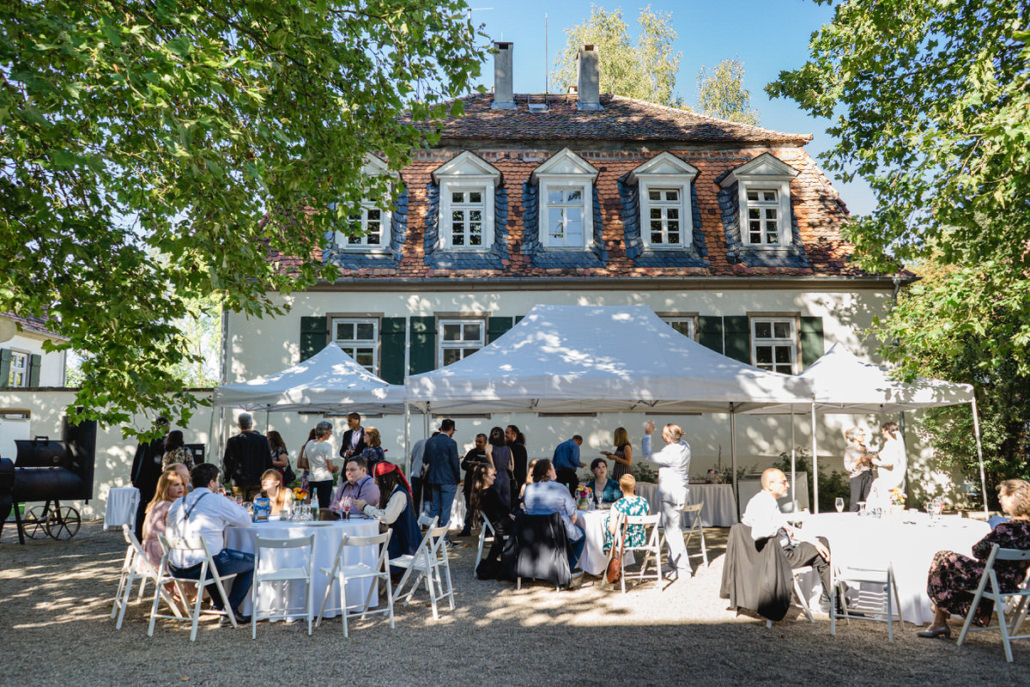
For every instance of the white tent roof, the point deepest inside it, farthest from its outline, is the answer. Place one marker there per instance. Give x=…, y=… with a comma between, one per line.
x=844, y=384
x=329, y=381
x=597, y=359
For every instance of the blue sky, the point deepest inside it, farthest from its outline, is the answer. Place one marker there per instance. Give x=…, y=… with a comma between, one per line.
x=766, y=35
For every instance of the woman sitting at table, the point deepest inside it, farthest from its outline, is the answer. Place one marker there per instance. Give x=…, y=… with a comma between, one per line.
x=486, y=502
x=272, y=487
x=602, y=488
x=170, y=486
x=373, y=452
x=529, y=480
x=953, y=577
x=629, y=504
x=891, y=465
x=623, y=456
x=394, y=510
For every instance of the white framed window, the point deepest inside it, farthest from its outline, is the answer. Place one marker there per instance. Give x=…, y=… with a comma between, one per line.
x=665, y=210
x=359, y=338
x=371, y=230
x=763, y=219
x=687, y=326
x=763, y=195
x=19, y=375
x=774, y=344
x=457, y=339
x=566, y=190
x=467, y=185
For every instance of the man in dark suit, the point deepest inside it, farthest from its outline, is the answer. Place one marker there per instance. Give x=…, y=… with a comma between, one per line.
x=247, y=456
x=353, y=439
x=146, y=470
x=441, y=455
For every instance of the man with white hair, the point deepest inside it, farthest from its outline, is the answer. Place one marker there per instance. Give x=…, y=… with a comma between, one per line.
x=673, y=477
x=247, y=456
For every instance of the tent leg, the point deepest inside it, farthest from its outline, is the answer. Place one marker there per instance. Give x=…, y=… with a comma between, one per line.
x=407, y=440
x=793, y=465
x=979, y=453
x=733, y=455
x=815, y=465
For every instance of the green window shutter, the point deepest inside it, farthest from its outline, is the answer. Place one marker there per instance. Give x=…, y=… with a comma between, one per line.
x=5, y=366
x=314, y=335
x=709, y=330
x=391, y=349
x=496, y=326
x=811, y=340
x=34, y=361
x=423, y=345
x=738, y=337
x=518, y=318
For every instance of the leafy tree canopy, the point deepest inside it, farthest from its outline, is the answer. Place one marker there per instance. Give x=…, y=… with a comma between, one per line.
x=142, y=141
x=721, y=93
x=646, y=71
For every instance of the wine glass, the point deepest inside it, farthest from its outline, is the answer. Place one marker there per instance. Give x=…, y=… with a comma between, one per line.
x=839, y=504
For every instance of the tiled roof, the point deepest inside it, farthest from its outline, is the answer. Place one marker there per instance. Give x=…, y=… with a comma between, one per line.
x=31, y=324
x=622, y=119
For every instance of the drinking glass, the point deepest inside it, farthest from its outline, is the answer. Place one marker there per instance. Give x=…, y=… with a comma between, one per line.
x=839, y=504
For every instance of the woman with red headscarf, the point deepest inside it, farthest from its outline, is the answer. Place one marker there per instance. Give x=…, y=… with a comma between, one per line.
x=394, y=510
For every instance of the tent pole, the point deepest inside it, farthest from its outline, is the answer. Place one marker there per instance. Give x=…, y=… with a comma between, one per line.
x=815, y=465
x=407, y=440
x=733, y=455
x=979, y=453
x=793, y=465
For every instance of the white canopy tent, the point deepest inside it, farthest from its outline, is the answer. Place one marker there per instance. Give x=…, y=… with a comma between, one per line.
x=599, y=359
x=841, y=383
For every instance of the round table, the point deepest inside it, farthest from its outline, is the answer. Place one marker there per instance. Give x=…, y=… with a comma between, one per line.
x=328, y=535
x=719, y=509
x=908, y=542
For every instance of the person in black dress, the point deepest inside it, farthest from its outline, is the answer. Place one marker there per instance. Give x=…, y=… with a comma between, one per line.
x=475, y=456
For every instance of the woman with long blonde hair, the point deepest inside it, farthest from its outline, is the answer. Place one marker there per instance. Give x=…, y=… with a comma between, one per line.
x=170, y=487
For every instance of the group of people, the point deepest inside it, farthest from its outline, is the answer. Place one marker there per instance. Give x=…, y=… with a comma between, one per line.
x=890, y=463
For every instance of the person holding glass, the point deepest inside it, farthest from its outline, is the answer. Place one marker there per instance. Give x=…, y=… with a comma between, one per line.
x=858, y=463
x=603, y=489
x=623, y=455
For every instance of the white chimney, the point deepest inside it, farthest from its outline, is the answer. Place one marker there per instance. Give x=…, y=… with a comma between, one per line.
x=504, y=99
x=589, y=86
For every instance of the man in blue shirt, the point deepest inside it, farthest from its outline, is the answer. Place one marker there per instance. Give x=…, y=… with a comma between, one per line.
x=545, y=496
x=566, y=460
x=441, y=455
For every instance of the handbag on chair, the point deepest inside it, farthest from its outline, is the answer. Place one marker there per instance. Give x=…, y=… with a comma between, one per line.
x=614, y=570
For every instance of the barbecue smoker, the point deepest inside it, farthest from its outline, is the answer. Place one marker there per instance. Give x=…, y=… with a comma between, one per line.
x=49, y=471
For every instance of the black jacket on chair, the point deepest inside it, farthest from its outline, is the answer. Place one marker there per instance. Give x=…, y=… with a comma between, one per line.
x=537, y=549
x=756, y=575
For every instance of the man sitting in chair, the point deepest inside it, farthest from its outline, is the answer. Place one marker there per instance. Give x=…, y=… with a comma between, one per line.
x=545, y=496
x=206, y=512
x=764, y=518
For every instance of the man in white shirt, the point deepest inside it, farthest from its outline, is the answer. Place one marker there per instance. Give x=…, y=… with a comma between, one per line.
x=673, y=480
x=764, y=518
x=205, y=512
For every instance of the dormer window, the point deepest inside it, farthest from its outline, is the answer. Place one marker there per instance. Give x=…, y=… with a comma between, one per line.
x=467, y=214
x=665, y=210
x=763, y=219
x=467, y=187
x=763, y=194
x=369, y=229
x=566, y=184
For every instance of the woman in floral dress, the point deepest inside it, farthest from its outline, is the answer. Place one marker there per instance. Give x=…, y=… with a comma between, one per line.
x=953, y=577
x=629, y=504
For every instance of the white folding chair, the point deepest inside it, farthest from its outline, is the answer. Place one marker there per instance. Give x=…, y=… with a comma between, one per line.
x=136, y=566
x=208, y=575
x=487, y=533
x=871, y=593
x=692, y=515
x=430, y=562
x=652, y=546
x=799, y=594
x=269, y=551
x=342, y=572
x=989, y=589
x=122, y=503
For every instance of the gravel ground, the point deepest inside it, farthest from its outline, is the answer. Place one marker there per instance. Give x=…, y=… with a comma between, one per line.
x=55, y=604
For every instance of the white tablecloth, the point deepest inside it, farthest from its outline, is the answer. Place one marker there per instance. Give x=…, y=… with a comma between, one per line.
x=594, y=559
x=874, y=543
x=121, y=507
x=327, y=539
x=719, y=509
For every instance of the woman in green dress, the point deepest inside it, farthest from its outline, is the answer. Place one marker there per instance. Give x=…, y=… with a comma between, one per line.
x=629, y=504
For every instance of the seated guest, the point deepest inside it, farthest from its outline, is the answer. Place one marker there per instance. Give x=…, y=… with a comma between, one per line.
x=545, y=496
x=184, y=473
x=486, y=503
x=764, y=518
x=272, y=487
x=170, y=486
x=629, y=504
x=953, y=576
x=358, y=485
x=602, y=488
x=373, y=452
x=475, y=457
x=395, y=510
x=529, y=480
x=206, y=512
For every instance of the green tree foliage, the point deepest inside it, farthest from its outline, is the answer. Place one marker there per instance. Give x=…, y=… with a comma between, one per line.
x=646, y=71
x=929, y=102
x=142, y=141
x=721, y=93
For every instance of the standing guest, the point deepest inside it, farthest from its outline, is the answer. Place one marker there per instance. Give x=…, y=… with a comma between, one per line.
x=444, y=473
x=764, y=518
x=176, y=451
x=170, y=486
x=500, y=456
x=890, y=463
x=859, y=466
x=357, y=485
x=475, y=457
x=206, y=513
x=519, y=456
x=354, y=438
x=394, y=510
x=566, y=460
x=953, y=576
x=673, y=477
x=373, y=452
x=279, y=496
x=280, y=454
x=545, y=496
x=602, y=488
x=302, y=463
x=319, y=455
x=629, y=504
x=418, y=468
x=623, y=455
x=247, y=456
x=146, y=470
